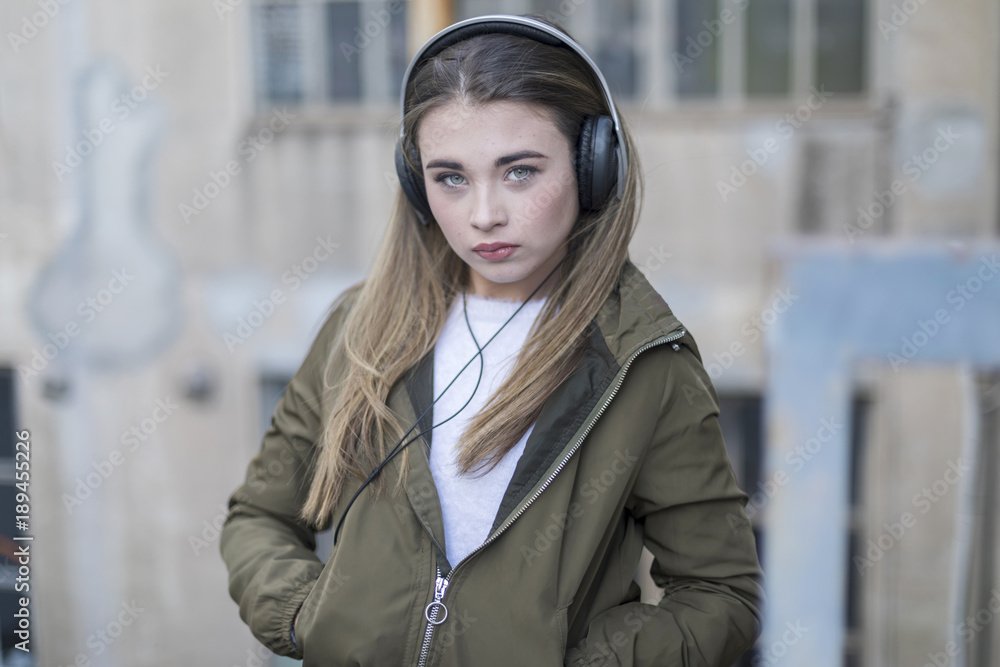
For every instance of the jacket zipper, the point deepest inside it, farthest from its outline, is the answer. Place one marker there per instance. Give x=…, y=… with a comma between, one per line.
x=431, y=612
x=441, y=583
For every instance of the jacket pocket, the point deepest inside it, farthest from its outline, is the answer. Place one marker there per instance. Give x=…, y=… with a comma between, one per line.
x=322, y=585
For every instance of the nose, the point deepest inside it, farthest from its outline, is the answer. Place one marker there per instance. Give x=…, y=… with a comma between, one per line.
x=487, y=208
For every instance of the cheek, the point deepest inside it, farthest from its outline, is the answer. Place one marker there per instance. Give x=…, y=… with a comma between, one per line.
x=449, y=220
x=558, y=207
x=555, y=200
x=444, y=209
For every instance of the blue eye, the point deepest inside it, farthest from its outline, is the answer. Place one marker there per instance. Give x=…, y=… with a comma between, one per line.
x=521, y=172
x=450, y=180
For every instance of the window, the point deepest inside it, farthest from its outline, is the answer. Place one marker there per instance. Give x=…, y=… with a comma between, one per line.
x=328, y=52
x=841, y=52
x=343, y=72
x=741, y=420
x=981, y=579
x=769, y=48
x=767, y=57
x=608, y=30
x=696, y=61
x=615, y=51
x=662, y=50
x=279, y=67
x=860, y=411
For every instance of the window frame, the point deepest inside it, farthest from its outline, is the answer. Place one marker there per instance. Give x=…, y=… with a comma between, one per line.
x=376, y=75
x=658, y=19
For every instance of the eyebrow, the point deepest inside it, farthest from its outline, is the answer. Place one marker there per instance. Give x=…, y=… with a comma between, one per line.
x=500, y=162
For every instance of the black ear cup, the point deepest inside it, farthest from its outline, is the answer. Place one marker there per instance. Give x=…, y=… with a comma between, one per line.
x=412, y=184
x=596, y=162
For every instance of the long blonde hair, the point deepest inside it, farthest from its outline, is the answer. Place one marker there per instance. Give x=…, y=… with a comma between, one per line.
x=400, y=309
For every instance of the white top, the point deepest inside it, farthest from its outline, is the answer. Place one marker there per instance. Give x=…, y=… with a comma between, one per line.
x=469, y=503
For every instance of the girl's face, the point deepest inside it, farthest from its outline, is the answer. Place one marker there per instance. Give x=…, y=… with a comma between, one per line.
x=501, y=185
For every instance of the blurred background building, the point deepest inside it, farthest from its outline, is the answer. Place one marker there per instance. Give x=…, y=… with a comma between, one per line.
x=185, y=187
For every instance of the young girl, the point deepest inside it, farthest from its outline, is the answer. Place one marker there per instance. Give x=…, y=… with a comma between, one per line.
x=559, y=414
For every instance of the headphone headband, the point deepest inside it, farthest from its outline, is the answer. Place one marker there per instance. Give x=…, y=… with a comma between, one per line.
x=523, y=26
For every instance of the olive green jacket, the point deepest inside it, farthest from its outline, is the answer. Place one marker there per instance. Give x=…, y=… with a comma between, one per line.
x=627, y=452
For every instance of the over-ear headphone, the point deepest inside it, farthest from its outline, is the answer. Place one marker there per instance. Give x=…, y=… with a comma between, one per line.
x=601, y=157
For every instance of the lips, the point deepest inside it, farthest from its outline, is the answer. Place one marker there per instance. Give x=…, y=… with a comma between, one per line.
x=490, y=247
x=493, y=251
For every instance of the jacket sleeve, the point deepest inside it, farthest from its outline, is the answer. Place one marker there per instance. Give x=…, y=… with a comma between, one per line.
x=692, y=511
x=268, y=551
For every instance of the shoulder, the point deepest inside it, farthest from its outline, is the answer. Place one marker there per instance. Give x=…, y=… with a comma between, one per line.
x=673, y=373
x=635, y=318
x=666, y=355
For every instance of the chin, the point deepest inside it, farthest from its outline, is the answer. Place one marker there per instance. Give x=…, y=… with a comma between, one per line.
x=500, y=278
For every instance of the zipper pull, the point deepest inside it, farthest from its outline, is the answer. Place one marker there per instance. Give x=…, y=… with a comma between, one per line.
x=431, y=611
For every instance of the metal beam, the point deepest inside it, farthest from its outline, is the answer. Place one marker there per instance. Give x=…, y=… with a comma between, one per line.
x=425, y=18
